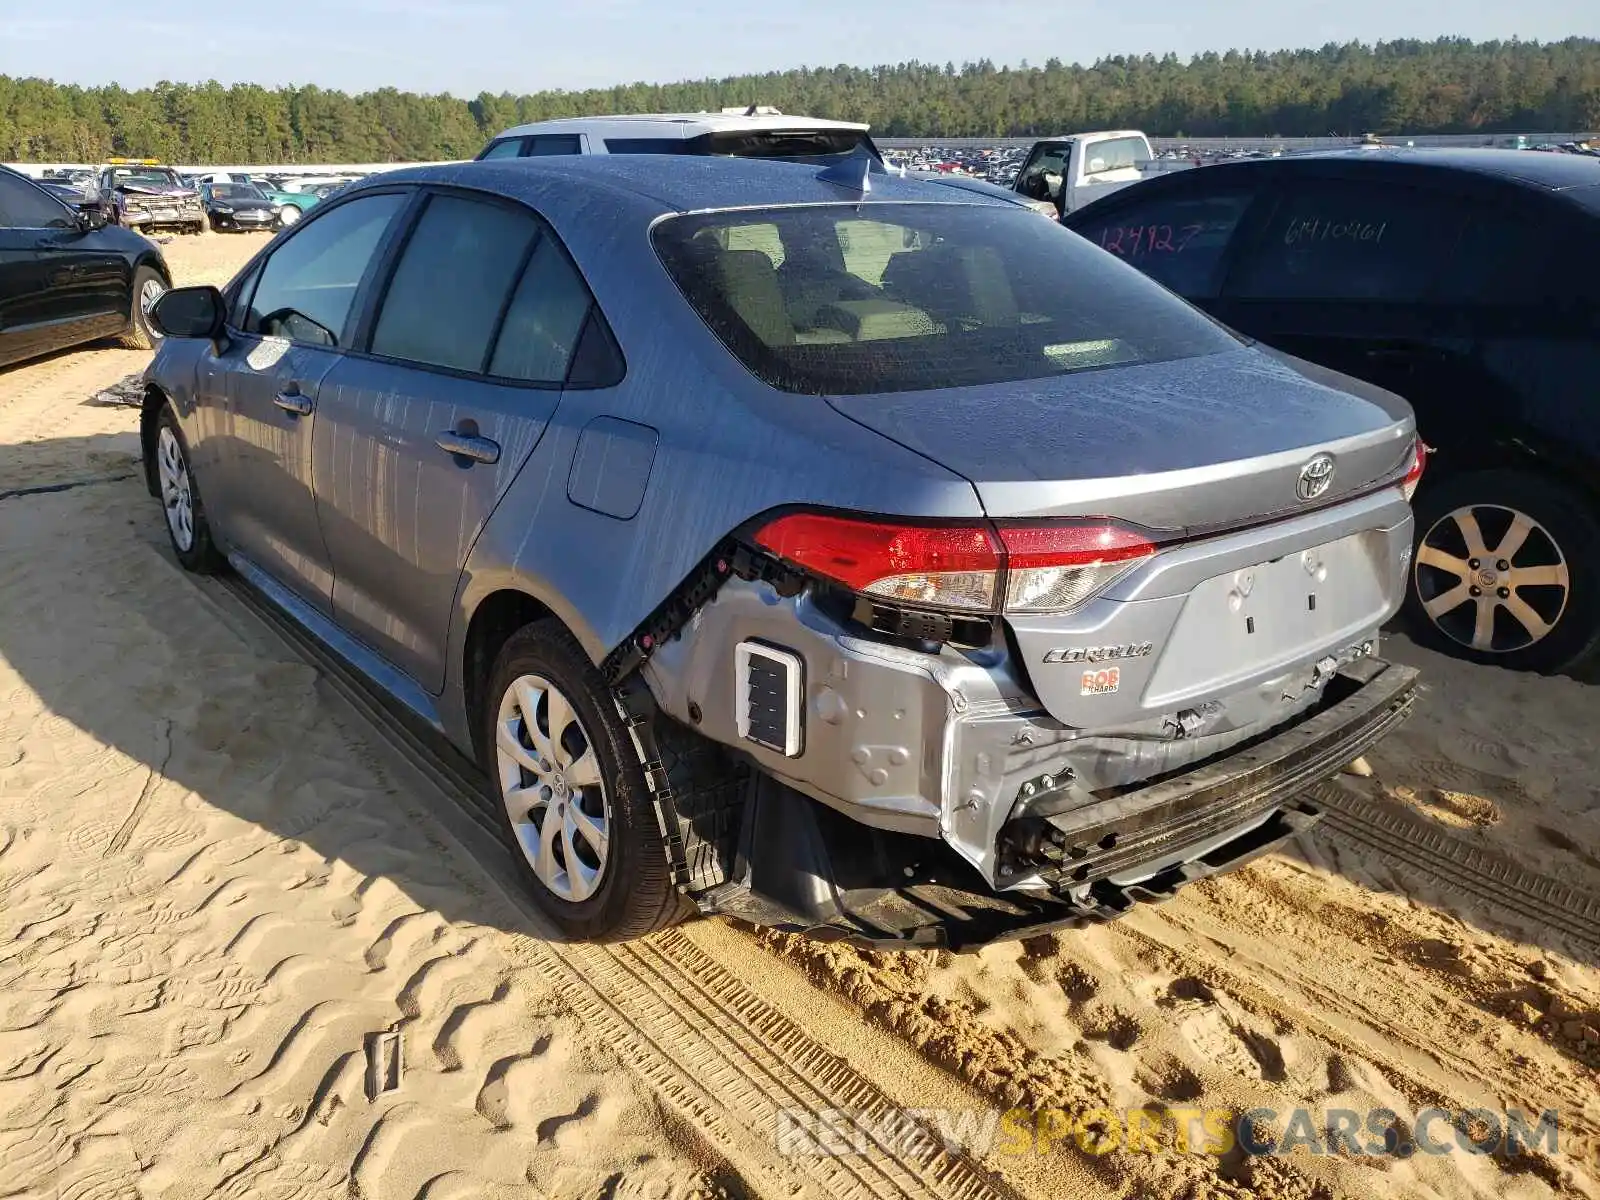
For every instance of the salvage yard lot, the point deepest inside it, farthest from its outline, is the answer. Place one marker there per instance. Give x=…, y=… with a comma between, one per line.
x=219, y=885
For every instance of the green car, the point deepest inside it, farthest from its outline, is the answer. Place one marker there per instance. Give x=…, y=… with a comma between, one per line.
x=292, y=205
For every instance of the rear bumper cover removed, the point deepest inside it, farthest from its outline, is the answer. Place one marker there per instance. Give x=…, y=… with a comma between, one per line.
x=805, y=868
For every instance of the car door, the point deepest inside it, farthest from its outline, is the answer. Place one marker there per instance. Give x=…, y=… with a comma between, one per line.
x=40, y=310
x=419, y=437
x=1342, y=273
x=291, y=332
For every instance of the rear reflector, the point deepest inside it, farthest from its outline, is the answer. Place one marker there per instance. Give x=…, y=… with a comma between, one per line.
x=1051, y=567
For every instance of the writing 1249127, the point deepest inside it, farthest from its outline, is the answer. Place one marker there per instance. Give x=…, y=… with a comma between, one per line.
x=1136, y=241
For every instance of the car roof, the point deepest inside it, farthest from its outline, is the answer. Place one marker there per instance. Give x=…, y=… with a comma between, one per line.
x=671, y=183
x=1550, y=172
x=676, y=125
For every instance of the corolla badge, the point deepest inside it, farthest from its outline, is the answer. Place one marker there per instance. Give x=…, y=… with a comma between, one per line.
x=1096, y=654
x=1315, y=477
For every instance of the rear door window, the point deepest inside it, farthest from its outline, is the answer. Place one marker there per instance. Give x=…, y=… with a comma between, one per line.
x=543, y=144
x=1347, y=240
x=444, y=302
x=1504, y=257
x=24, y=206
x=1177, y=240
x=308, y=286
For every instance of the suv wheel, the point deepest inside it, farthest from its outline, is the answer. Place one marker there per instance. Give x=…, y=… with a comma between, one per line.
x=1507, y=572
x=570, y=793
x=180, y=497
x=148, y=287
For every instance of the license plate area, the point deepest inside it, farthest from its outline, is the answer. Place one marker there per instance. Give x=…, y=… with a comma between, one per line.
x=1241, y=623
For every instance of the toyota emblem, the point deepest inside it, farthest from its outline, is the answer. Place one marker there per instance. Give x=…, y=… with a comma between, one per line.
x=1315, y=477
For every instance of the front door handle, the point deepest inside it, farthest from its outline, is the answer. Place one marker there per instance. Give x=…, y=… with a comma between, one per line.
x=468, y=446
x=293, y=402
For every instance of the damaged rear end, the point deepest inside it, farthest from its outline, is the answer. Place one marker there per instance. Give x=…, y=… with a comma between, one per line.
x=1123, y=678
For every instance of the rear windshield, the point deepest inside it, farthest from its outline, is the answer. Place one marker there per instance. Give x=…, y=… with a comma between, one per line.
x=848, y=300
x=801, y=145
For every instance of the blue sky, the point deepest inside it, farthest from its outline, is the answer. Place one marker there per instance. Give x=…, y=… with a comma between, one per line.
x=497, y=45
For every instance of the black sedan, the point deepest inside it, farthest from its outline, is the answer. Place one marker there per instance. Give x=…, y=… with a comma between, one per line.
x=66, y=278
x=1464, y=281
x=234, y=207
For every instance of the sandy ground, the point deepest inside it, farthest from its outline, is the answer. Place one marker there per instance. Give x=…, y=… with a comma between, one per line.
x=219, y=887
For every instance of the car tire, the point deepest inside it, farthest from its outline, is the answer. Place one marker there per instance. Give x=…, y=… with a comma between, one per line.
x=147, y=288
x=1550, y=623
x=185, y=513
x=547, y=821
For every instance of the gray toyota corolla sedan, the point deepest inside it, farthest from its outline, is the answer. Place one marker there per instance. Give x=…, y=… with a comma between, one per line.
x=839, y=552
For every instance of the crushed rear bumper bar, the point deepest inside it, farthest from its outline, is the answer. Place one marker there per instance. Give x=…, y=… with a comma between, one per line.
x=808, y=869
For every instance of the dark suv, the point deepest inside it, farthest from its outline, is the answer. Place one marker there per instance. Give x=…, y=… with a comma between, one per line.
x=1466, y=282
x=65, y=280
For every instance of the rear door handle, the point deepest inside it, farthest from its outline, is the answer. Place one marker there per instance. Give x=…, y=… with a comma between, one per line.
x=470, y=446
x=294, y=402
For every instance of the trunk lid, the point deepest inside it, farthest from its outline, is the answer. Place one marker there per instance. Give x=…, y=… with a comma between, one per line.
x=1221, y=628
x=1184, y=447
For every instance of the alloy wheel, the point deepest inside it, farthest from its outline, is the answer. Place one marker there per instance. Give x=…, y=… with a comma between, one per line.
x=152, y=291
x=550, y=784
x=1492, y=578
x=177, y=493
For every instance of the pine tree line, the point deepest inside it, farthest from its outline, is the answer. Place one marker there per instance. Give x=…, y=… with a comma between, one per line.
x=1450, y=85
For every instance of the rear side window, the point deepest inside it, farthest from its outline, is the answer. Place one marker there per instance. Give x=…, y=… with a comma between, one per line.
x=647, y=146
x=901, y=297
x=1113, y=154
x=1502, y=259
x=1179, y=242
x=308, y=285
x=1342, y=240
x=545, y=319
x=444, y=302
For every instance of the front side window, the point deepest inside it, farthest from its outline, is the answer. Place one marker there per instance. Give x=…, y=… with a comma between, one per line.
x=898, y=297
x=1340, y=240
x=308, y=286
x=1178, y=241
x=1040, y=177
x=24, y=206
x=504, y=148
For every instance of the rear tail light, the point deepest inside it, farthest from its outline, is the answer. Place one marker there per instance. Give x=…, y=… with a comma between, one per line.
x=1046, y=568
x=1419, y=462
x=1056, y=568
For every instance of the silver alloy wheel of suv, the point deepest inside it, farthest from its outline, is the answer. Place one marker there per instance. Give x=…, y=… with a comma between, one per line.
x=1497, y=599
x=550, y=784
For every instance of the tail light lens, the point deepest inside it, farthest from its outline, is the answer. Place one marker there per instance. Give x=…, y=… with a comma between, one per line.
x=1056, y=568
x=1419, y=462
x=941, y=566
x=1047, y=568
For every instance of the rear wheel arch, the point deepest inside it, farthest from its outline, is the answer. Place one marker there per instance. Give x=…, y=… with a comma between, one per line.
x=496, y=618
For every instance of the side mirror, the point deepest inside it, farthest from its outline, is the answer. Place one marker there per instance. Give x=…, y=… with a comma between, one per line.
x=91, y=219
x=190, y=312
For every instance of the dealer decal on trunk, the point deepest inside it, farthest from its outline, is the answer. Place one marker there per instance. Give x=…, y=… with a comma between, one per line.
x=1102, y=682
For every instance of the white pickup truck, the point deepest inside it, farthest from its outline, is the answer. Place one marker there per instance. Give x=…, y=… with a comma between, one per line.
x=1071, y=171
